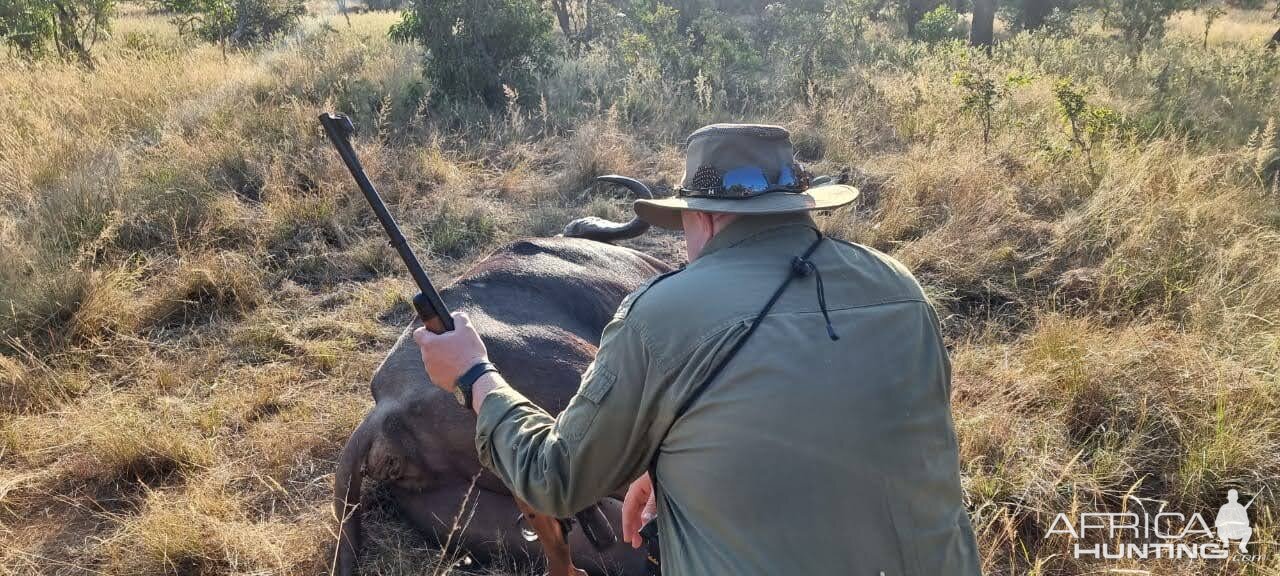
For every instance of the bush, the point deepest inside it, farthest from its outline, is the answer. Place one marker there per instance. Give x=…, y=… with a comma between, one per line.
x=474, y=48
x=702, y=53
x=816, y=40
x=940, y=24
x=236, y=22
x=1143, y=20
x=384, y=4
x=1035, y=14
x=1086, y=124
x=71, y=26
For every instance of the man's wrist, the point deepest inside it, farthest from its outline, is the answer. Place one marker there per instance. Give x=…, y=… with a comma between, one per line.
x=487, y=383
x=464, y=384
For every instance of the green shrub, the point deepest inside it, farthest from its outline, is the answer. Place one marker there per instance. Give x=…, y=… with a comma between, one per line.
x=70, y=26
x=1035, y=14
x=814, y=39
x=938, y=25
x=236, y=22
x=982, y=93
x=703, y=55
x=1142, y=20
x=1086, y=124
x=475, y=47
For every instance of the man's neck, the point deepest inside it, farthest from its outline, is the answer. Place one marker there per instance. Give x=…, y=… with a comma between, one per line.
x=744, y=227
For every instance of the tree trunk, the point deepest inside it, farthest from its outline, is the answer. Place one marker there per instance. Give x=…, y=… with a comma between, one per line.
x=242, y=20
x=1034, y=13
x=561, y=10
x=982, y=31
x=65, y=36
x=1274, y=41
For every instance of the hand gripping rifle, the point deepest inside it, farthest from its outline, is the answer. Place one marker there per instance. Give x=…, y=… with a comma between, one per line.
x=435, y=317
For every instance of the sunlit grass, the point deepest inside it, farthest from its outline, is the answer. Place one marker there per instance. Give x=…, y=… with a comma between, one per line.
x=1252, y=27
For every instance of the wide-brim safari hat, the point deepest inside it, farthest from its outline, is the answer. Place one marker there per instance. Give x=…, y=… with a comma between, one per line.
x=742, y=169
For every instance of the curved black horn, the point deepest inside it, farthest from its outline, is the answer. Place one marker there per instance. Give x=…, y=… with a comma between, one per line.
x=636, y=187
x=599, y=229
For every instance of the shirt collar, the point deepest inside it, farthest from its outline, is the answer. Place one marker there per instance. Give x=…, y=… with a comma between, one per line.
x=748, y=227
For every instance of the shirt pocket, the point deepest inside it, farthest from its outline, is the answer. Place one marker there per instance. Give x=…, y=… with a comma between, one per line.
x=581, y=412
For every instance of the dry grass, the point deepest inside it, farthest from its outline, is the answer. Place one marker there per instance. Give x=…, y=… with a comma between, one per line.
x=1076, y=415
x=1236, y=26
x=193, y=297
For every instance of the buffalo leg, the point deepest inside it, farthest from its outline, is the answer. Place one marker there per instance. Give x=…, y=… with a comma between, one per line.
x=559, y=559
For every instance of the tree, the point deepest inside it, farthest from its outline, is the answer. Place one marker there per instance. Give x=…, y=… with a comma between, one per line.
x=72, y=27
x=982, y=93
x=816, y=38
x=1086, y=124
x=914, y=10
x=1034, y=14
x=237, y=23
x=563, y=9
x=1275, y=38
x=476, y=47
x=981, y=32
x=940, y=24
x=1211, y=14
x=1143, y=20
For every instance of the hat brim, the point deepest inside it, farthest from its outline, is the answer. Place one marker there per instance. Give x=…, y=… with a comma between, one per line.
x=665, y=212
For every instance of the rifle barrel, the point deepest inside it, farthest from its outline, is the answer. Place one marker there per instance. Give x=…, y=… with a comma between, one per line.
x=339, y=128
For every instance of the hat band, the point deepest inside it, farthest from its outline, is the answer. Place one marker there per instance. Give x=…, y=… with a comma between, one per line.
x=748, y=182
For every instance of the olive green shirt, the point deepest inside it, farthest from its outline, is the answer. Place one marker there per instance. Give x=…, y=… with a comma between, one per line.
x=806, y=455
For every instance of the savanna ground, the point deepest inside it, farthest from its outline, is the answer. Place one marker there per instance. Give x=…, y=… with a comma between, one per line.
x=194, y=295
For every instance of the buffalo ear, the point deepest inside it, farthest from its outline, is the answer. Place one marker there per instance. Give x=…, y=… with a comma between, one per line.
x=347, y=485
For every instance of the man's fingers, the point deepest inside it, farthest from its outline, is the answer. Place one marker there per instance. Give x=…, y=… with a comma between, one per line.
x=630, y=516
x=449, y=355
x=423, y=336
x=633, y=506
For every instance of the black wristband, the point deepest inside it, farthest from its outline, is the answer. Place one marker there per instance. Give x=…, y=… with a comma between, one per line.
x=468, y=379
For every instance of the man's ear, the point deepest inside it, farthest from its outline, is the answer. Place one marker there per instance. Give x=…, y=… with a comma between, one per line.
x=708, y=222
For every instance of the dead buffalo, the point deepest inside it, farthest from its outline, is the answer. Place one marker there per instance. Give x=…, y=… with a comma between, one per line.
x=541, y=305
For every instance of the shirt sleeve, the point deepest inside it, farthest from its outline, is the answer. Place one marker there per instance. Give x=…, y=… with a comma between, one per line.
x=603, y=439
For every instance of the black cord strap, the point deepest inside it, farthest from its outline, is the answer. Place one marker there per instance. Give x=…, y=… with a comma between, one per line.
x=795, y=273
x=801, y=266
